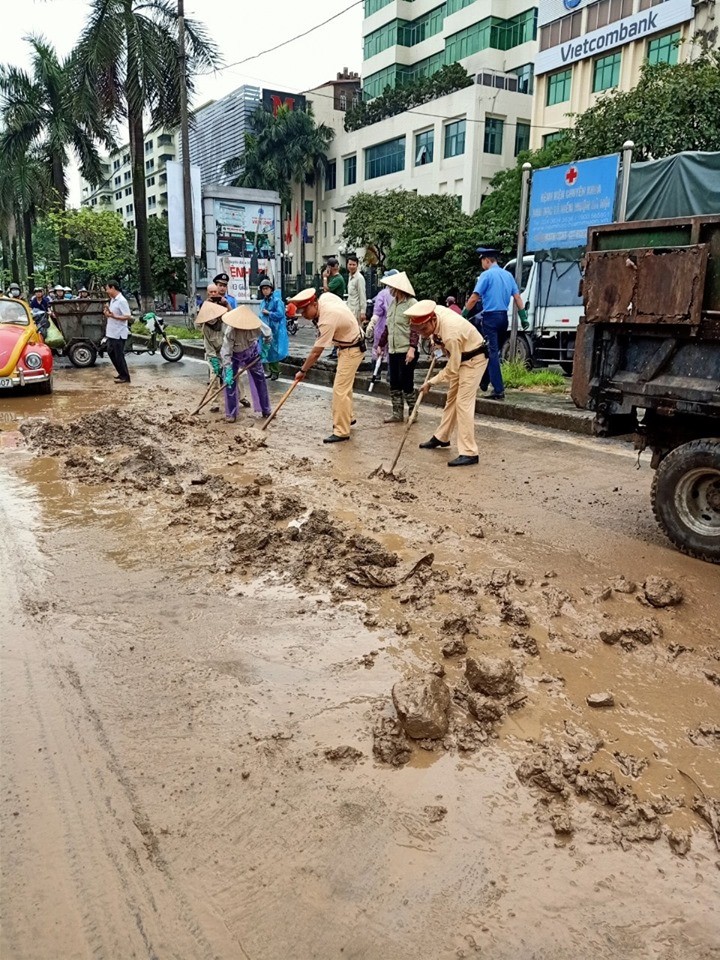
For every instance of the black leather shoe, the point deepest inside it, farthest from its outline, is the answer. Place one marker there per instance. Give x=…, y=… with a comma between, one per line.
x=334, y=438
x=244, y=402
x=434, y=442
x=463, y=461
x=353, y=422
x=495, y=396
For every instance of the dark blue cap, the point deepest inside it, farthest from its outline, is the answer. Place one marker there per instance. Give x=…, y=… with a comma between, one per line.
x=488, y=252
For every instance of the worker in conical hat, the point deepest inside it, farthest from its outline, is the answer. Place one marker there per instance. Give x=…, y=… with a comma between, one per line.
x=337, y=326
x=401, y=340
x=467, y=360
x=240, y=348
x=209, y=319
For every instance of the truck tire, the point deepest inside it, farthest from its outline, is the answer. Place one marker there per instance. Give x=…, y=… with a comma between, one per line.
x=523, y=353
x=686, y=498
x=82, y=354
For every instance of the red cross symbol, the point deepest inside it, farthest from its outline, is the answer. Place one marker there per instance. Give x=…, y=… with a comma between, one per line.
x=571, y=176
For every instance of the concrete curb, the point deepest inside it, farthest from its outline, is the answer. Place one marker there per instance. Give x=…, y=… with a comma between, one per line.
x=539, y=409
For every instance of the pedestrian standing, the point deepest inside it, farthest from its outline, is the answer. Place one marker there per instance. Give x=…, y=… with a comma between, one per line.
x=222, y=281
x=496, y=288
x=357, y=290
x=209, y=318
x=378, y=320
x=337, y=326
x=467, y=359
x=272, y=310
x=333, y=282
x=451, y=304
x=118, y=315
x=240, y=347
x=401, y=340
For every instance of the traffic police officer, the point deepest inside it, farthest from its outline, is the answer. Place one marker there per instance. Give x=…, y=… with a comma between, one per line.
x=467, y=360
x=496, y=288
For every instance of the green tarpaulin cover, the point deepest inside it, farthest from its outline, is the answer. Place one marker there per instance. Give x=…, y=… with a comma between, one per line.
x=684, y=185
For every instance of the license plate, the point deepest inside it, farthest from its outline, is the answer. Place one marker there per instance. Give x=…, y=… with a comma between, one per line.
x=5, y=383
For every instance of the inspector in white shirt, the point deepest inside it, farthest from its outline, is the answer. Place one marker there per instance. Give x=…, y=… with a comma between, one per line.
x=118, y=317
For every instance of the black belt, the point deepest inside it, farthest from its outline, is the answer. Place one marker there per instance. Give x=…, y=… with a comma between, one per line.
x=358, y=343
x=474, y=353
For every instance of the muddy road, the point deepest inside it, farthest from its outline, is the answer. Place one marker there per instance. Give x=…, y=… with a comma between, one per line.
x=202, y=627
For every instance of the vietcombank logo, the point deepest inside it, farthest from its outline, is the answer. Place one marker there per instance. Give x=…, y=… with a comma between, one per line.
x=571, y=4
x=612, y=37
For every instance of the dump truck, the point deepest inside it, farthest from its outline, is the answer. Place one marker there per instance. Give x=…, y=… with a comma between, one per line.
x=647, y=361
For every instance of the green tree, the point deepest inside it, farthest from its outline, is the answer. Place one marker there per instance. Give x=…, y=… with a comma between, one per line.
x=47, y=120
x=168, y=272
x=282, y=150
x=100, y=246
x=672, y=108
x=129, y=54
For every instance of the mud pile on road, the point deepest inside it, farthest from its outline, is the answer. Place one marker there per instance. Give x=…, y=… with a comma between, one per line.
x=478, y=649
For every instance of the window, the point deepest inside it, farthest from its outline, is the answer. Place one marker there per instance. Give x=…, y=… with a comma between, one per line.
x=342, y=101
x=453, y=6
x=324, y=229
x=148, y=146
x=149, y=164
x=552, y=137
x=385, y=158
x=372, y=6
x=127, y=176
x=411, y=32
x=165, y=139
x=606, y=73
x=93, y=202
x=375, y=83
x=150, y=182
x=118, y=195
x=664, y=49
x=118, y=181
x=151, y=201
x=350, y=170
x=526, y=78
x=455, y=139
x=126, y=158
x=128, y=191
x=493, y=135
x=522, y=137
x=129, y=208
x=646, y=4
x=309, y=212
x=380, y=39
x=521, y=28
x=334, y=228
x=558, y=87
x=424, y=147
x=607, y=11
x=116, y=164
x=331, y=175
x=561, y=31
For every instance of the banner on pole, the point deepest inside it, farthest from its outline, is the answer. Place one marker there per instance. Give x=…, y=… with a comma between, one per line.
x=176, y=208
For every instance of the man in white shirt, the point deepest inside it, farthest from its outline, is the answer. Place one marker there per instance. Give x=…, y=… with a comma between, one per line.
x=118, y=317
x=357, y=292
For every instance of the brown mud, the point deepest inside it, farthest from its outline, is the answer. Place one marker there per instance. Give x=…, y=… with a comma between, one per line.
x=202, y=756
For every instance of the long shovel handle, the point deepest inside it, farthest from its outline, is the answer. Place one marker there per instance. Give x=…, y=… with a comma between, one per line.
x=205, y=396
x=224, y=387
x=412, y=418
x=284, y=397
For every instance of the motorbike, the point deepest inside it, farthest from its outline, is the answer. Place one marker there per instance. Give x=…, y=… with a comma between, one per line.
x=292, y=326
x=170, y=348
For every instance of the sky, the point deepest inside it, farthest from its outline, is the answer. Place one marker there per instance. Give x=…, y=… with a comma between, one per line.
x=301, y=65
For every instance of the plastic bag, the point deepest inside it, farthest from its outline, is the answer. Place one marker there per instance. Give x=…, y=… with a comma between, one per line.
x=53, y=338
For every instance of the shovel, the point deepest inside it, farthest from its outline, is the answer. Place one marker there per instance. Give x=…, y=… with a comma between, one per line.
x=284, y=397
x=386, y=474
x=205, y=396
x=376, y=374
x=222, y=387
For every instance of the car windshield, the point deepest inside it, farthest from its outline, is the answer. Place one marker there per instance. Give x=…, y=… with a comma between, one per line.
x=13, y=312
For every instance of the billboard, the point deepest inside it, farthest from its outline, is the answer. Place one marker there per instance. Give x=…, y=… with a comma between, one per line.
x=272, y=100
x=245, y=235
x=176, y=208
x=567, y=199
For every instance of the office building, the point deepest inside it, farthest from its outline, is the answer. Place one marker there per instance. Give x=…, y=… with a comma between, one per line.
x=217, y=133
x=588, y=48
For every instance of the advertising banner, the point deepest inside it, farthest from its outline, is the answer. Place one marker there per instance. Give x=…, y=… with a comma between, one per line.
x=245, y=243
x=567, y=199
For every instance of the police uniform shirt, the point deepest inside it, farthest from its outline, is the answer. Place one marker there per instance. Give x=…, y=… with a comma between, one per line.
x=458, y=336
x=496, y=287
x=336, y=323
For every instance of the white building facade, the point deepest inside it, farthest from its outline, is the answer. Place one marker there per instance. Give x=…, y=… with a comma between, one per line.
x=590, y=47
x=454, y=144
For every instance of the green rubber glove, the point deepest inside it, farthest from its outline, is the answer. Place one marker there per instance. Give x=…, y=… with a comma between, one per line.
x=215, y=364
x=523, y=317
x=228, y=377
x=465, y=313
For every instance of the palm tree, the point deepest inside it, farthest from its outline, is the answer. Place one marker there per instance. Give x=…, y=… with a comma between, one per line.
x=46, y=120
x=128, y=55
x=281, y=150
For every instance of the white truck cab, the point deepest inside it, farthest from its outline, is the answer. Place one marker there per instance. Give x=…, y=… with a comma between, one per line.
x=551, y=293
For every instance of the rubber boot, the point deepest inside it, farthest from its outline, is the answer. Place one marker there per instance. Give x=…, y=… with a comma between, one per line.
x=397, y=407
x=411, y=400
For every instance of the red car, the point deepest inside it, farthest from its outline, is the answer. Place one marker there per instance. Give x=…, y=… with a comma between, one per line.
x=25, y=360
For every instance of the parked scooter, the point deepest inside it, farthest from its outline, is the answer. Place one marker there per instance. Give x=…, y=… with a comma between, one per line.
x=170, y=348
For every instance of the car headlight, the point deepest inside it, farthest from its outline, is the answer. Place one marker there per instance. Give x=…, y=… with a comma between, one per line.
x=33, y=361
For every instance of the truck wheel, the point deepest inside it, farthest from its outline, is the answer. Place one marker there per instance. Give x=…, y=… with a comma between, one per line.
x=82, y=354
x=686, y=498
x=172, y=350
x=522, y=351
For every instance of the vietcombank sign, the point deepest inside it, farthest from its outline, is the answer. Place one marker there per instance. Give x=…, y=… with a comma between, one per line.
x=636, y=27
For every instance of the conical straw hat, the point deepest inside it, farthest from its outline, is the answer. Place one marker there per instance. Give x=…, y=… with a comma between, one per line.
x=242, y=318
x=400, y=282
x=209, y=311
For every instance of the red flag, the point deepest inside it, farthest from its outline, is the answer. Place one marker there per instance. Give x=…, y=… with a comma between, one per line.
x=288, y=231
x=297, y=222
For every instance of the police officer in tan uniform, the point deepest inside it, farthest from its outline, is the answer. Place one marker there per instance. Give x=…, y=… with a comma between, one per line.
x=337, y=325
x=467, y=360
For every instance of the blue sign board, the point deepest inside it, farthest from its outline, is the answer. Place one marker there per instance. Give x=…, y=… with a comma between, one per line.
x=566, y=200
